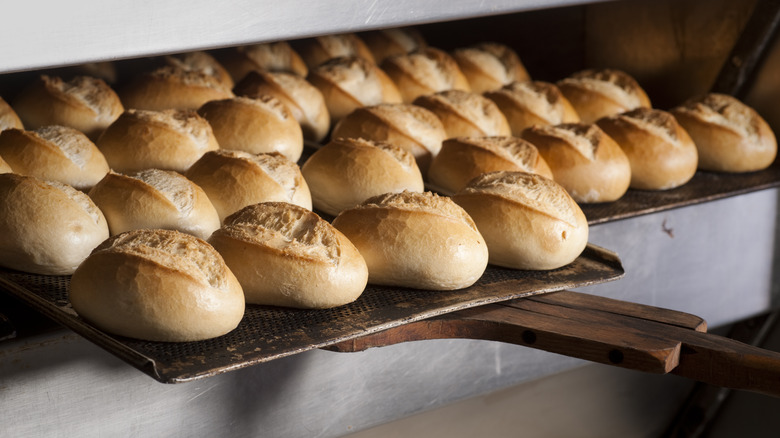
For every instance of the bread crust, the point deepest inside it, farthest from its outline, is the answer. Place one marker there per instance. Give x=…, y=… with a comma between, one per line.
x=466, y=114
x=488, y=66
x=385, y=43
x=424, y=71
x=8, y=117
x=526, y=104
x=599, y=93
x=172, y=87
x=276, y=56
x=319, y=50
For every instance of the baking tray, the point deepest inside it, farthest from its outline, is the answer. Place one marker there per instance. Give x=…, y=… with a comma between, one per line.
x=268, y=333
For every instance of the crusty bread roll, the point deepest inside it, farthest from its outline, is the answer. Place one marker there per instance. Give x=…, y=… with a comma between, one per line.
x=729, y=135
x=661, y=153
x=528, y=221
x=462, y=159
x=285, y=255
x=411, y=127
x=168, y=139
x=598, y=93
x=385, y=43
x=172, y=87
x=4, y=167
x=304, y=101
x=254, y=125
x=8, y=117
x=533, y=103
x=234, y=179
x=424, y=71
x=347, y=171
x=466, y=114
x=318, y=50
x=276, y=56
x=202, y=62
x=48, y=228
x=350, y=83
x=489, y=66
x=84, y=103
x=584, y=160
x=417, y=240
x=56, y=153
x=157, y=285
x=154, y=198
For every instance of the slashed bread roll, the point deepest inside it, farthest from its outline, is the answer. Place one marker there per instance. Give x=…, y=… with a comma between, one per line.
x=157, y=285
x=276, y=56
x=424, y=71
x=465, y=114
x=202, y=62
x=528, y=221
x=48, y=228
x=169, y=140
x=254, y=125
x=584, y=160
x=464, y=158
x=347, y=171
x=417, y=240
x=411, y=127
x=598, y=93
x=234, y=179
x=8, y=117
x=385, y=43
x=533, y=103
x=285, y=255
x=489, y=66
x=319, y=50
x=172, y=87
x=729, y=135
x=304, y=101
x=4, y=167
x=154, y=198
x=661, y=153
x=84, y=103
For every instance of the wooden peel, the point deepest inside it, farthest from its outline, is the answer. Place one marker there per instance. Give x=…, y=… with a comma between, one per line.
x=602, y=330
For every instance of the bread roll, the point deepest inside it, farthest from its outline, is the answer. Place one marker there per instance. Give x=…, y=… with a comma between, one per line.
x=526, y=104
x=466, y=114
x=8, y=117
x=347, y=171
x=168, y=139
x=285, y=255
x=411, y=127
x=350, y=83
x=173, y=88
x=234, y=179
x=528, y=221
x=661, y=153
x=48, y=228
x=425, y=71
x=84, y=103
x=4, y=167
x=417, y=240
x=598, y=93
x=304, y=101
x=254, y=125
x=319, y=50
x=584, y=160
x=154, y=198
x=157, y=285
x=277, y=56
x=202, y=62
x=385, y=43
x=56, y=153
x=729, y=135
x=464, y=158
x=489, y=66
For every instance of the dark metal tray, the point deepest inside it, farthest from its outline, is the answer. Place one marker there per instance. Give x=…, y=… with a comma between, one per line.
x=268, y=333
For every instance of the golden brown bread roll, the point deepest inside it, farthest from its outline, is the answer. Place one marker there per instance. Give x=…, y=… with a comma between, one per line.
x=55, y=153
x=234, y=179
x=285, y=255
x=319, y=50
x=417, y=240
x=172, y=87
x=729, y=135
x=584, y=160
x=385, y=43
x=533, y=103
x=304, y=101
x=464, y=158
x=661, y=153
x=254, y=125
x=465, y=114
x=347, y=171
x=84, y=103
x=48, y=228
x=168, y=140
x=424, y=71
x=4, y=167
x=411, y=127
x=598, y=93
x=528, y=221
x=154, y=198
x=276, y=56
x=489, y=66
x=8, y=117
x=157, y=285
x=202, y=62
